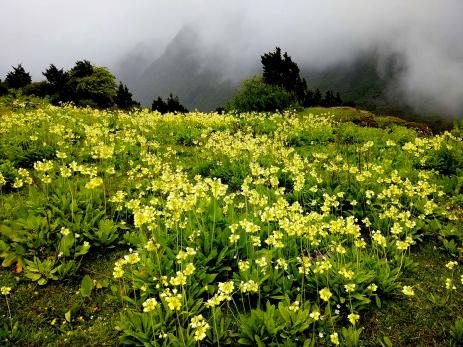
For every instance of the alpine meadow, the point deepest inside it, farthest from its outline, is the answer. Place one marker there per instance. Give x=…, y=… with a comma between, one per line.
x=243, y=201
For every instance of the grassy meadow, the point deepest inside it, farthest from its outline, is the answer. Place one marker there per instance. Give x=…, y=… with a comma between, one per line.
x=322, y=227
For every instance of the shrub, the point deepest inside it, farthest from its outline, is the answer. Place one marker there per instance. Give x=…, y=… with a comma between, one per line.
x=255, y=95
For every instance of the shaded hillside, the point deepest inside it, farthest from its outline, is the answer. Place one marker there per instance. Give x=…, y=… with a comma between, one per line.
x=187, y=70
x=130, y=68
x=366, y=81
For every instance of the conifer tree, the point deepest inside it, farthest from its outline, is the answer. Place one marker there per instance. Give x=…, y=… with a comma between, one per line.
x=124, y=99
x=280, y=70
x=18, y=78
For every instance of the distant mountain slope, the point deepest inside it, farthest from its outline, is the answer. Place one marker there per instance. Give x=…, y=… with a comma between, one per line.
x=368, y=80
x=195, y=73
x=187, y=70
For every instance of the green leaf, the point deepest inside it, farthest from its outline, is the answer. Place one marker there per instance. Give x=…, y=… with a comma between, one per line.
x=86, y=286
x=9, y=260
x=378, y=301
x=33, y=276
x=67, y=316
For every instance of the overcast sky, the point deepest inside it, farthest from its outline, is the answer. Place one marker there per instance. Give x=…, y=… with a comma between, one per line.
x=428, y=33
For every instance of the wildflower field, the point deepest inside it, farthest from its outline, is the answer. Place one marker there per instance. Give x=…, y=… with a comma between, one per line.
x=294, y=229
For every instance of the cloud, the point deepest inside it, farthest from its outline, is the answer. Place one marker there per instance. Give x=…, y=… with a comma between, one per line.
x=427, y=33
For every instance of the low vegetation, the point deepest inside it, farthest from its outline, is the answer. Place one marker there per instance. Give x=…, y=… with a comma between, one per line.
x=323, y=227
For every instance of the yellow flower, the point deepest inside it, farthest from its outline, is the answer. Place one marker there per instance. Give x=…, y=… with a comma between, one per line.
x=294, y=306
x=149, y=305
x=65, y=231
x=132, y=258
x=151, y=245
x=233, y=238
x=349, y=287
x=451, y=264
x=353, y=318
x=315, y=315
x=178, y=280
x=226, y=287
x=174, y=302
x=449, y=284
x=243, y=265
x=373, y=287
x=249, y=286
x=189, y=269
x=5, y=290
x=407, y=290
x=334, y=338
x=325, y=294
x=94, y=183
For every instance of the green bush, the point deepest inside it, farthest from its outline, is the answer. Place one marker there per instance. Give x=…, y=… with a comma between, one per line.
x=255, y=95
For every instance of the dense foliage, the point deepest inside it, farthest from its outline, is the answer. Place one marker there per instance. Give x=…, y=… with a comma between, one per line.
x=18, y=78
x=249, y=229
x=280, y=88
x=256, y=95
x=124, y=99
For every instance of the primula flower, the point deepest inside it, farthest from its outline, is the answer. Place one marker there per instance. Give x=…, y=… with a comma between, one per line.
x=174, y=302
x=189, y=269
x=243, y=265
x=226, y=287
x=65, y=231
x=201, y=326
x=451, y=264
x=315, y=315
x=5, y=290
x=334, y=338
x=294, y=306
x=353, y=318
x=233, y=238
x=132, y=258
x=325, y=294
x=407, y=290
x=349, y=287
x=449, y=284
x=149, y=305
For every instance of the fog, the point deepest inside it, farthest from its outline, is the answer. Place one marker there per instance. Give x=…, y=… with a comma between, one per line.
x=428, y=34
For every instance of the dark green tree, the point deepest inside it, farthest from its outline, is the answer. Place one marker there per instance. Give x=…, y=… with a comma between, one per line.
x=309, y=99
x=159, y=105
x=172, y=104
x=328, y=99
x=18, y=78
x=58, y=79
x=3, y=88
x=338, y=100
x=317, y=98
x=83, y=68
x=280, y=70
x=124, y=99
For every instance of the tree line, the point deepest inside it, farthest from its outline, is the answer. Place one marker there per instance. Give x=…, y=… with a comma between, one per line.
x=84, y=85
x=278, y=88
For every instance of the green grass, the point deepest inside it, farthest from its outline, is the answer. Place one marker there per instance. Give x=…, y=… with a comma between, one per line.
x=426, y=319
x=39, y=311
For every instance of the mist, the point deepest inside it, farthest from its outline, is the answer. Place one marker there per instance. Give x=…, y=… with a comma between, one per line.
x=426, y=34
